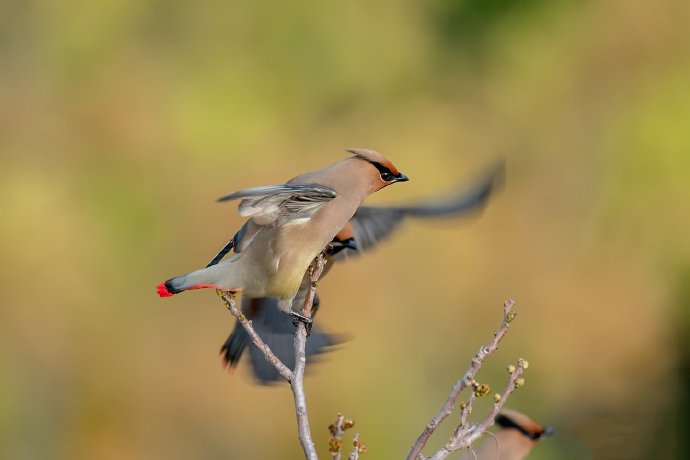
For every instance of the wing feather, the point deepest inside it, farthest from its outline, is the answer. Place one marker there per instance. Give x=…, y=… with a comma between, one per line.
x=375, y=223
x=281, y=204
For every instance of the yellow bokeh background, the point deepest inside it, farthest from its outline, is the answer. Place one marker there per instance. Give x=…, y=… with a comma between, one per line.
x=122, y=121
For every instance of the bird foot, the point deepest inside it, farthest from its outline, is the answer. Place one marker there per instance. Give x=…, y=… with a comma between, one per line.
x=232, y=294
x=299, y=318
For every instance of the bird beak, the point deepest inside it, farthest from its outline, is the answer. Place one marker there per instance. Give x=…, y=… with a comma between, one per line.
x=400, y=178
x=338, y=245
x=350, y=243
x=548, y=431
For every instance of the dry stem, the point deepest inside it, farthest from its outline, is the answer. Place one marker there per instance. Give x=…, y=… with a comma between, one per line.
x=229, y=300
x=460, y=385
x=337, y=430
x=464, y=435
x=297, y=383
x=296, y=377
x=358, y=447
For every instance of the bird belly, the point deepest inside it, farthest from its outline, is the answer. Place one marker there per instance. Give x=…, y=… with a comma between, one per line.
x=286, y=282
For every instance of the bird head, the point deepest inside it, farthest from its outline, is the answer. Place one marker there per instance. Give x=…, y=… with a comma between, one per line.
x=509, y=418
x=385, y=173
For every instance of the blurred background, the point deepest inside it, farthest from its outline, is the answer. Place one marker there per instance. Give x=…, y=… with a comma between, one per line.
x=122, y=121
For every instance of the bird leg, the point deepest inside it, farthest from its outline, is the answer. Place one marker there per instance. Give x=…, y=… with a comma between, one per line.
x=314, y=271
x=299, y=318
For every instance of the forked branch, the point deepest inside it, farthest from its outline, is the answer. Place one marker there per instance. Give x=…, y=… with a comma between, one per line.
x=466, y=381
x=296, y=377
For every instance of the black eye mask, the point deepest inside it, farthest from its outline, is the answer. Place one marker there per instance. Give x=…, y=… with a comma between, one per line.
x=506, y=422
x=386, y=174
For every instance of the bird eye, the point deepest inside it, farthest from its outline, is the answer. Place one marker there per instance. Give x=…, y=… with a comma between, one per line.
x=386, y=174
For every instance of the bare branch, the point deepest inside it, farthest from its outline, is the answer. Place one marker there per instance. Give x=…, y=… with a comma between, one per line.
x=467, y=380
x=229, y=299
x=474, y=454
x=297, y=382
x=358, y=447
x=465, y=435
x=296, y=377
x=337, y=430
x=335, y=443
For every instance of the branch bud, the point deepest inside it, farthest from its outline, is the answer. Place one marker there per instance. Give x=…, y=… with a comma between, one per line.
x=482, y=390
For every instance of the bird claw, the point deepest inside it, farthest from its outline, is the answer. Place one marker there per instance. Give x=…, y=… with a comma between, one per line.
x=298, y=318
x=221, y=293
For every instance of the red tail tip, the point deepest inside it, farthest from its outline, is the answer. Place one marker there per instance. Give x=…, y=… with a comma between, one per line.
x=163, y=291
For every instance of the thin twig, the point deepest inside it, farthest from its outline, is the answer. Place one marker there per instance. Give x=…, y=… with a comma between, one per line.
x=474, y=454
x=466, y=408
x=297, y=382
x=296, y=377
x=464, y=435
x=336, y=430
x=358, y=448
x=464, y=382
x=229, y=300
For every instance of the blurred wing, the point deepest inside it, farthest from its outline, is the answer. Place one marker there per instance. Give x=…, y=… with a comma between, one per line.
x=374, y=223
x=371, y=225
x=278, y=332
x=462, y=200
x=281, y=204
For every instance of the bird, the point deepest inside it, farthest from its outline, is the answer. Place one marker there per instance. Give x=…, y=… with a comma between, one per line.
x=369, y=226
x=288, y=226
x=514, y=440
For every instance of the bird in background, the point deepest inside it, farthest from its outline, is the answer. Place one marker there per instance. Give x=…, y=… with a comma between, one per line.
x=367, y=227
x=514, y=440
x=288, y=226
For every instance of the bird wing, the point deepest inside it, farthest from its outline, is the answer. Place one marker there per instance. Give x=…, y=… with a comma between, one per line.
x=227, y=248
x=278, y=332
x=238, y=242
x=374, y=223
x=281, y=204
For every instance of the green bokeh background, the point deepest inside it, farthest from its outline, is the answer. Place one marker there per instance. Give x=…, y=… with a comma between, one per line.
x=122, y=121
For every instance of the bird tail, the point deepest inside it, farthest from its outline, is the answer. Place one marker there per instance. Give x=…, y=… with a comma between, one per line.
x=204, y=278
x=171, y=286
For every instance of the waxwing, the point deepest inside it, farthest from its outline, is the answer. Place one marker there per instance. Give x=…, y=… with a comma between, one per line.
x=514, y=440
x=369, y=226
x=288, y=226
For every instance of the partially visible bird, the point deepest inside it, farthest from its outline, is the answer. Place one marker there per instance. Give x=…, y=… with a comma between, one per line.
x=369, y=226
x=288, y=226
x=514, y=440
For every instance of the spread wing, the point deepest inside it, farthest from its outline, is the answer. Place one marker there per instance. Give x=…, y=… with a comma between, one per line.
x=372, y=224
x=281, y=204
x=278, y=332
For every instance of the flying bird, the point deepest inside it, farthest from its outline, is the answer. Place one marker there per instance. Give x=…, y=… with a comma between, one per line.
x=368, y=226
x=288, y=226
x=514, y=440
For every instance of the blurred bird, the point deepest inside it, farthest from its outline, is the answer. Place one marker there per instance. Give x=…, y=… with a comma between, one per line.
x=517, y=436
x=368, y=226
x=288, y=226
